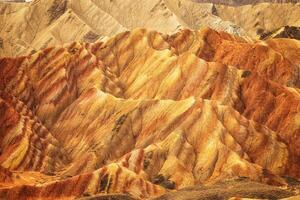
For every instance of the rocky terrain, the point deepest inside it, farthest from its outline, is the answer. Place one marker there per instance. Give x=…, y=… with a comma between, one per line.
x=291, y=32
x=145, y=112
x=244, y=2
x=259, y=19
x=28, y=27
x=191, y=106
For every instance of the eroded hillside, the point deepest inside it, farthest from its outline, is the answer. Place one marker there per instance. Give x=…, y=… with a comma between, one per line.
x=144, y=113
x=29, y=27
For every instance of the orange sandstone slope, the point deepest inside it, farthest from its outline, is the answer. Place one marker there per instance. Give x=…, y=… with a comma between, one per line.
x=144, y=112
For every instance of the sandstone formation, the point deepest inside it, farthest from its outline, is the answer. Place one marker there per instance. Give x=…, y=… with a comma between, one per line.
x=244, y=2
x=247, y=189
x=145, y=112
x=28, y=27
x=262, y=18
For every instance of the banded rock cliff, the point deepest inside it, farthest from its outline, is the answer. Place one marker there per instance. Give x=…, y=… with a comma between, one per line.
x=145, y=112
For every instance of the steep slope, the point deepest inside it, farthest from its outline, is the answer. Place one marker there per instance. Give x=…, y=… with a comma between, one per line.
x=40, y=24
x=26, y=143
x=224, y=48
x=258, y=19
x=144, y=112
x=28, y=27
x=161, y=148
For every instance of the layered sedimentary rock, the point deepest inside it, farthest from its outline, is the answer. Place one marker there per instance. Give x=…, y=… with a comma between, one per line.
x=261, y=18
x=26, y=143
x=40, y=24
x=145, y=112
x=28, y=27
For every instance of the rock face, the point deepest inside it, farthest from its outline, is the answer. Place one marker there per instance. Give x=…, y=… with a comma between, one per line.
x=145, y=112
